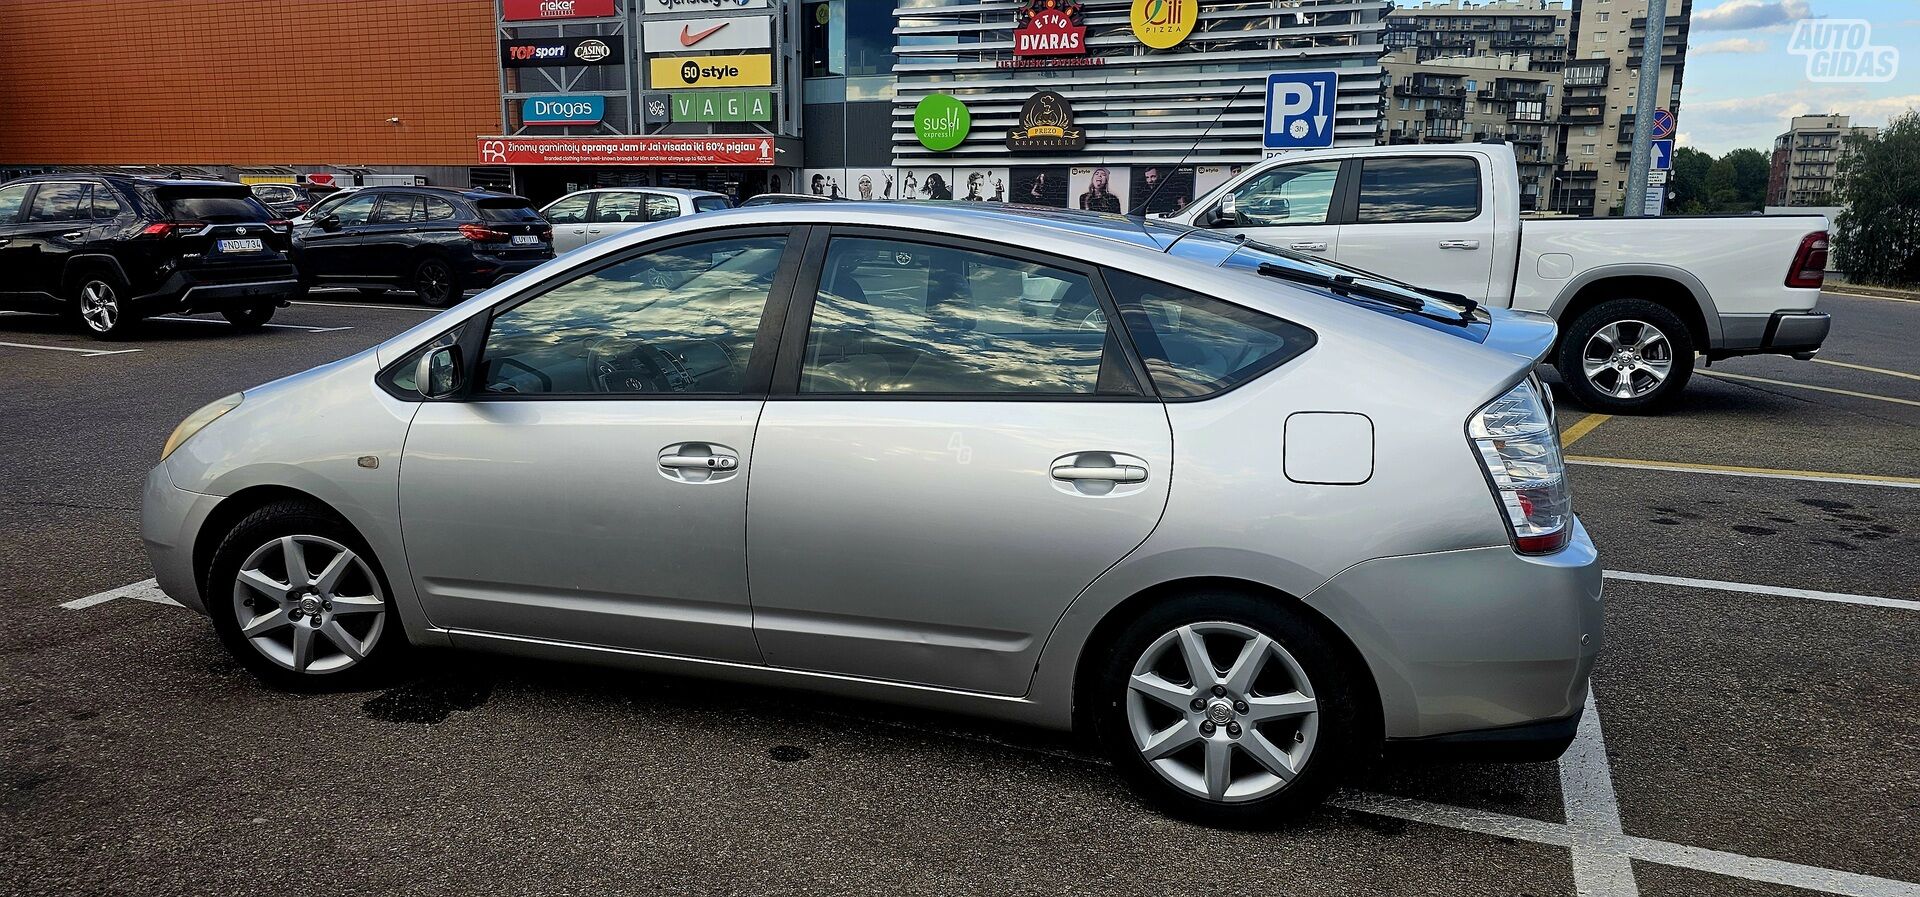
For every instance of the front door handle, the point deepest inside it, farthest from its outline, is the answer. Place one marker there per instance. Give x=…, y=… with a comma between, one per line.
x=698, y=462
x=73, y=235
x=1308, y=246
x=1460, y=244
x=5, y=240
x=1119, y=473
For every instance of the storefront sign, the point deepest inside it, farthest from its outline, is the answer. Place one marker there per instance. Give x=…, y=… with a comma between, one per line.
x=536, y=10
x=723, y=105
x=563, y=51
x=756, y=151
x=941, y=122
x=563, y=109
x=1046, y=126
x=1161, y=24
x=732, y=33
x=683, y=72
x=705, y=5
x=1049, y=28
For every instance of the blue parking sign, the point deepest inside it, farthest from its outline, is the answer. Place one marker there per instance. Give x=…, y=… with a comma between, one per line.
x=1300, y=109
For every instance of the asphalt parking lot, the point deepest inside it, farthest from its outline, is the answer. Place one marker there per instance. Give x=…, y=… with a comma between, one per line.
x=1756, y=732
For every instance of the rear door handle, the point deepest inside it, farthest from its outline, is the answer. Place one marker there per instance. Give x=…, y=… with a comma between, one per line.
x=5, y=240
x=1121, y=473
x=698, y=462
x=1098, y=474
x=1459, y=244
x=1308, y=246
x=73, y=235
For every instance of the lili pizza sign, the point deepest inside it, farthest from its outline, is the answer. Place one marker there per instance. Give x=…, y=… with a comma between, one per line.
x=1049, y=28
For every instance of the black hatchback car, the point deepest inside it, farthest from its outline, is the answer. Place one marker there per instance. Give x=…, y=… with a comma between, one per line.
x=438, y=242
x=108, y=250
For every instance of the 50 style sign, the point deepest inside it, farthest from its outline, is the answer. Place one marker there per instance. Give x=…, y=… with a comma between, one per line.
x=606, y=49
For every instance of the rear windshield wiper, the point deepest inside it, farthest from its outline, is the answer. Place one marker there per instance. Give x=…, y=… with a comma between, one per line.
x=1346, y=284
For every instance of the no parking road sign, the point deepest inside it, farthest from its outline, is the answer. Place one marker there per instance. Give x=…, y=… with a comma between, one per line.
x=1300, y=109
x=1663, y=124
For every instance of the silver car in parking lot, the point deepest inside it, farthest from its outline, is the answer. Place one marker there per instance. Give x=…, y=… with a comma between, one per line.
x=1242, y=516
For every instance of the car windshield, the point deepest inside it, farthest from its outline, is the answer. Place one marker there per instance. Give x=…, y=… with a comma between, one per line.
x=506, y=209
x=211, y=203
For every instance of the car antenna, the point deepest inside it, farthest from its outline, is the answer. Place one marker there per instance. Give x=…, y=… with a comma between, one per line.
x=1141, y=209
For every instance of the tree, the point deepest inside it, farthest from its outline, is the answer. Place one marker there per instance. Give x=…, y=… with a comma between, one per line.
x=1750, y=168
x=1689, y=181
x=1877, y=236
x=1723, y=186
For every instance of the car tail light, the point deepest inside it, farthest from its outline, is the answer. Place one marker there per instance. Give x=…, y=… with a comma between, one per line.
x=171, y=228
x=280, y=225
x=1516, y=440
x=480, y=233
x=545, y=232
x=1809, y=269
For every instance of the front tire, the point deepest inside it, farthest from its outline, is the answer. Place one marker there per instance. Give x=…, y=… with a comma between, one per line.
x=435, y=283
x=301, y=601
x=1626, y=356
x=1227, y=709
x=252, y=317
x=99, y=304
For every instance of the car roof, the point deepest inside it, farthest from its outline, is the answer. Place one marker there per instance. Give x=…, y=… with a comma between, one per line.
x=669, y=191
x=969, y=218
x=467, y=194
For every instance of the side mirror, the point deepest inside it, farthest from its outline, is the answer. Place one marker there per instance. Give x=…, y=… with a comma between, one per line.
x=438, y=374
x=329, y=222
x=1225, y=214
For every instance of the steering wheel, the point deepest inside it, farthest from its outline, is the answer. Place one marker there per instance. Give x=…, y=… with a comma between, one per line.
x=627, y=365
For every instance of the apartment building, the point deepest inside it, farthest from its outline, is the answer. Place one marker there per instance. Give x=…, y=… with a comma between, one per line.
x=1806, y=160
x=1475, y=98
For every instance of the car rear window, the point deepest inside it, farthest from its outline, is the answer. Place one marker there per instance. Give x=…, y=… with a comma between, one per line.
x=216, y=204
x=514, y=209
x=711, y=203
x=1196, y=346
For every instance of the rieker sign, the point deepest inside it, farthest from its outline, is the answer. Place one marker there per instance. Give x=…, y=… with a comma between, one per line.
x=536, y=10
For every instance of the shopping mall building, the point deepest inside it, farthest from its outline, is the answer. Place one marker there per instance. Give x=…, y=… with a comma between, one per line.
x=1093, y=103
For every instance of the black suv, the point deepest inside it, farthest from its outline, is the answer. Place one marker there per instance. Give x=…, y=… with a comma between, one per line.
x=108, y=250
x=436, y=241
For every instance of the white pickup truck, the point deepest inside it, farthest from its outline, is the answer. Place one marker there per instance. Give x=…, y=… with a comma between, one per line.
x=1636, y=298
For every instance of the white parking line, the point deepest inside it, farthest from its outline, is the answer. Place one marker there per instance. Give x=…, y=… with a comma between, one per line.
x=144, y=590
x=1777, y=591
x=1721, y=470
x=86, y=353
x=1592, y=808
x=424, y=311
x=225, y=324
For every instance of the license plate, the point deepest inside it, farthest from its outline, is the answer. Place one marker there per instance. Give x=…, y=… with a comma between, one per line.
x=525, y=240
x=239, y=246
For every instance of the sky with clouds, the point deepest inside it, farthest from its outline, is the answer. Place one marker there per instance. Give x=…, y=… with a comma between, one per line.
x=1743, y=85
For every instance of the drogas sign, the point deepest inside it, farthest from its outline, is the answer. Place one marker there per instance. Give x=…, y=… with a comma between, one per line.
x=563, y=109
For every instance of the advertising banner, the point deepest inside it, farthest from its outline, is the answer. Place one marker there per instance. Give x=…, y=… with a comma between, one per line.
x=755, y=151
x=538, y=10
x=1049, y=28
x=563, y=109
x=683, y=72
x=687, y=35
x=607, y=49
x=705, y=5
x=722, y=105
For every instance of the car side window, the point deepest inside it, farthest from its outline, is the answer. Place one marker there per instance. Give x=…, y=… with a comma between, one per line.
x=1195, y=345
x=675, y=321
x=434, y=209
x=11, y=199
x=569, y=210
x=355, y=211
x=396, y=208
x=62, y=202
x=618, y=208
x=105, y=203
x=1407, y=191
x=904, y=318
x=1288, y=195
x=661, y=208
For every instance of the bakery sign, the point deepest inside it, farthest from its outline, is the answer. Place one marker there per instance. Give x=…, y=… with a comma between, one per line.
x=688, y=150
x=1046, y=126
x=1049, y=28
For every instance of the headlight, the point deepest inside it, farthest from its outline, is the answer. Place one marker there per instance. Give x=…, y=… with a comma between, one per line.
x=198, y=421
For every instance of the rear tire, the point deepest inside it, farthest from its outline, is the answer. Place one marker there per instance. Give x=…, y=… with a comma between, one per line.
x=1626, y=356
x=265, y=597
x=435, y=283
x=252, y=317
x=1268, y=739
x=99, y=305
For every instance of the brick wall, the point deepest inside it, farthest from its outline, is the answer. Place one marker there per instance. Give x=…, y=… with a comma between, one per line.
x=246, y=82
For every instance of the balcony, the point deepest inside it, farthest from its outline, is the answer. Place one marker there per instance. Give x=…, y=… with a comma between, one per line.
x=1410, y=88
x=1447, y=112
x=1583, y=116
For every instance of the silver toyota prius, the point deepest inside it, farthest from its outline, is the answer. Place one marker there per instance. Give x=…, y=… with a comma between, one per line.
x=1243, y=517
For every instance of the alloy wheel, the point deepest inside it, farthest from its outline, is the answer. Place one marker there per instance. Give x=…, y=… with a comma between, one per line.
x=1627, y=359
x=434, y=283
x=1228, y=733
x=309, y=604
x=99, y=306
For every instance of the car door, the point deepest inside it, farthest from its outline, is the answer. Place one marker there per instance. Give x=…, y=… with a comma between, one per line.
x=390, y=236
x=328, y=247
x=1427, y=220
x=616, y=212
x=58, y=222
x=1290, y=206
x=956, y=446
x=591, y=486
x=568, y=215
x=16, y=252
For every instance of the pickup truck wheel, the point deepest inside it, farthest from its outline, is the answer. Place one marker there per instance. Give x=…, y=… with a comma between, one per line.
x=1626, y=356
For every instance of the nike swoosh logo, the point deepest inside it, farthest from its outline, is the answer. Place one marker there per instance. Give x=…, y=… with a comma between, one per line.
x=688, y=38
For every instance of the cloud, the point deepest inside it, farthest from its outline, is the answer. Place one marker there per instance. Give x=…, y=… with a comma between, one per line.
x=1746, y=15
x=1730, y=45
x=1720, y=125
